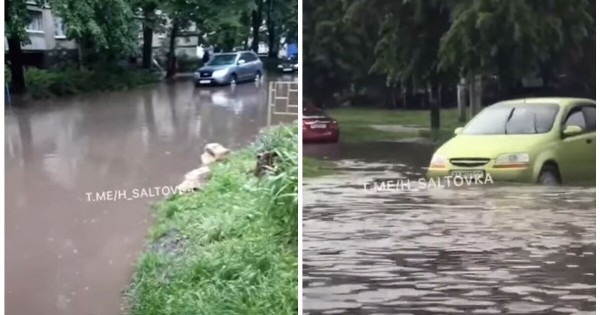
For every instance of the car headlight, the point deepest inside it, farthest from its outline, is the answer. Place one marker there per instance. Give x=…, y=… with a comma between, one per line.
x=279, y=66
x=438, y=161
x=296, y=66
x=196, y=74
x=512, y=160
x=220, y=73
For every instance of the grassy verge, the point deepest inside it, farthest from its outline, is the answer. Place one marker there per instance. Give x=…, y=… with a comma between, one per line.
x=356, y=124
x=72, y=81
x=312, y=167
x=231, y=248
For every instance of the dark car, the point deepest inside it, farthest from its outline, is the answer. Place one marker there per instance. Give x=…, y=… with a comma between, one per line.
x=289, y=64
x=318, y=126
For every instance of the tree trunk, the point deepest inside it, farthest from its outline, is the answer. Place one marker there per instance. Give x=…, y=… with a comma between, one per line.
x=461, y=91
x=435, y=109
x=271, y=30
x=404, y=100
x=248, y=31
x=257, y=20
x=471, y=87
x=478, y=85
x=171, y=62
x=15, y=55
x=147, y=33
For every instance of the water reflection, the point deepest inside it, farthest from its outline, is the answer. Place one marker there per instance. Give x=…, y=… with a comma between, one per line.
x=67, y=255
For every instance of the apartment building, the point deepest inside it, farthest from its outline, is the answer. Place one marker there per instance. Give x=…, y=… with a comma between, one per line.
x=48, y=43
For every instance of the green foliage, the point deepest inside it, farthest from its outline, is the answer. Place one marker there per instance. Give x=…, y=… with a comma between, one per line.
x=357, y=124
x=72, y=81
x=16, y=18
x=352, y=46
x=106, y=28
x=236, y=245
x=512, y=38
x=189, y=64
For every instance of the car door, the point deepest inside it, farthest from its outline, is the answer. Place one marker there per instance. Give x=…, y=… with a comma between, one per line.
x=573, y=150
x=589, y=112
x=254, y=65
x=246, y=67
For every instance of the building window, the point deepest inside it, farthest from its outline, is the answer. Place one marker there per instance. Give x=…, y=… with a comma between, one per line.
x=60, y=29
x=36, y=23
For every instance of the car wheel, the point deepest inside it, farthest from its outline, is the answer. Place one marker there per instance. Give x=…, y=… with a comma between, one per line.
x=549, y=176
x=258, y=76
x=233, y=79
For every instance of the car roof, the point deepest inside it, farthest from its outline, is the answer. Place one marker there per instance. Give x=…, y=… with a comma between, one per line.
x=235, y=52
x=560, y=101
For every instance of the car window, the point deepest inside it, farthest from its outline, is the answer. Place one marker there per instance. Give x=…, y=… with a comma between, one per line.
x=513, y=119
x=589, y=112
x=248, y=57
x=222, y=60
x=313, y=111
x=576, y=118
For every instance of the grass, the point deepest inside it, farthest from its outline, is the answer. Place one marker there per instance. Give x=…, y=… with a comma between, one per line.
x=43, y=83
x=356, y=123
x=312, y=167
x=235, y=248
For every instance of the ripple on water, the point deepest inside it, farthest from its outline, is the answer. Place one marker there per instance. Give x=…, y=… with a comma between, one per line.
x=480, y=250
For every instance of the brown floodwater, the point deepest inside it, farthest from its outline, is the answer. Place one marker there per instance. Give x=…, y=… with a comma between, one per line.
x=441, y=249
x=82, y=172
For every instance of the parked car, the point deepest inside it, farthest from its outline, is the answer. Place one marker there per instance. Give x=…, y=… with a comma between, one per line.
x=289, y=64
x=539, y=140
x=230, y=68
x=318, y=126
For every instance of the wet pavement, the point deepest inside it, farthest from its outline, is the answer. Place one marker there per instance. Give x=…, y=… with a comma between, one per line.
x=82, y=172
x=487, y=249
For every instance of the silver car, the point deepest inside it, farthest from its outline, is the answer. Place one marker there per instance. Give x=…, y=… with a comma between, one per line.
x=230, y=68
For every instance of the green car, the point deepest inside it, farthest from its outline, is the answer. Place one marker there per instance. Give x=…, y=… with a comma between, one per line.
x=538, y=140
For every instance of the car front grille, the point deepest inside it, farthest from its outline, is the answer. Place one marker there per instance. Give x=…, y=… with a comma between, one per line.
x=205, y=74
x=469, y=162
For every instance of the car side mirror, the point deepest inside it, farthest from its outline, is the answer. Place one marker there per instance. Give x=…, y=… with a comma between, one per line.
x=572, y=130
x=241, y=62
x=458, y=130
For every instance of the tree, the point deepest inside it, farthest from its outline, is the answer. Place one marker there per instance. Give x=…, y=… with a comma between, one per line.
x=149, y=23
x=281, y=22
x=257, y=22
x=408, y=45
x=15, y=20
x=106, y=30
x=511, y=39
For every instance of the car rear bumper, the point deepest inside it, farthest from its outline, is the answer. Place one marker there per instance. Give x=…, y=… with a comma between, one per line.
x=329, y=135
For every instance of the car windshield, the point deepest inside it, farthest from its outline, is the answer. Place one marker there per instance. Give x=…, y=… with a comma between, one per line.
x=513, y=120
x=313, y=111
x=222, y=60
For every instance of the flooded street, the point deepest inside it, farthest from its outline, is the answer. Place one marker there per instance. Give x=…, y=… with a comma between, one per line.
x=493, y=249
x=69, y=249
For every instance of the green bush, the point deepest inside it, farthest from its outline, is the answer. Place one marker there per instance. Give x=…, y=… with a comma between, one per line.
x=189, y=64
x=230, y=248
x=71, y=80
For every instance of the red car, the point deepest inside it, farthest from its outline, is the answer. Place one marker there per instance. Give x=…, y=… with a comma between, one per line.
x=317, y=126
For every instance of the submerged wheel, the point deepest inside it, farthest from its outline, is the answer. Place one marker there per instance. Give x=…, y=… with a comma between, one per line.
x=549, y=176
x=233, y=79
